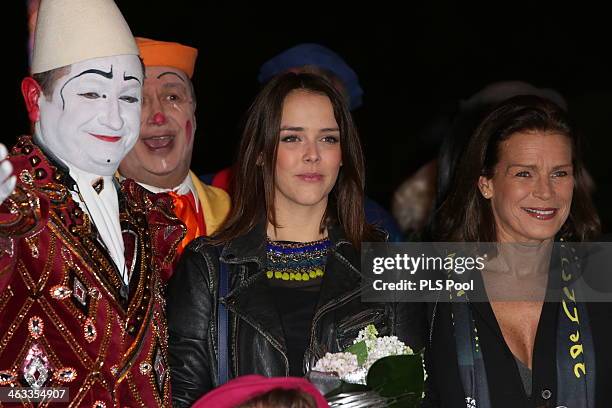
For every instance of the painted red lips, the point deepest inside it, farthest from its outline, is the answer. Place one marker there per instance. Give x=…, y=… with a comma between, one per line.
x=111, y=139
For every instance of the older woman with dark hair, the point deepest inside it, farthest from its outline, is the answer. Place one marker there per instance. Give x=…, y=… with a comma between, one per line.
x=288, y=252
x=520, y=183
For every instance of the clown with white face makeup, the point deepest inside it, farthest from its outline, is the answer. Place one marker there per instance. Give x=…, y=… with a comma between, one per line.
x=91, y=120
x=81, y=255
x=89, y=123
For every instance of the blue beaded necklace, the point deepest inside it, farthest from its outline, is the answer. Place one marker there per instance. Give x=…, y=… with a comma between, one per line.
x=296, y=261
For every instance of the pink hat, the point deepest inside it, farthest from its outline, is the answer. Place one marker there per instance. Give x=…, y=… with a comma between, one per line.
x=242, y=389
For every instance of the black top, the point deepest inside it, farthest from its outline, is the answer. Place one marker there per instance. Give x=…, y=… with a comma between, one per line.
x=296, y=299
x=295, y=307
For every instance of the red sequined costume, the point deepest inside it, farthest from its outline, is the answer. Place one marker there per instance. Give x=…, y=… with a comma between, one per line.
x=64, y=319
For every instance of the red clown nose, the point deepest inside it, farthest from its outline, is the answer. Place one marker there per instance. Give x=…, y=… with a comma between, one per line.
x=159, y=118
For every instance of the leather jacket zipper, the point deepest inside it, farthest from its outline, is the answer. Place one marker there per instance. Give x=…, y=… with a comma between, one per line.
x=272, y=341
x=329, y=306
x=319, y=313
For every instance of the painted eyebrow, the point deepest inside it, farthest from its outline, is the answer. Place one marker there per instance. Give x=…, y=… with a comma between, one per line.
x=301, y=129
x=128, y=77
x=170, y=73
x=108, y=75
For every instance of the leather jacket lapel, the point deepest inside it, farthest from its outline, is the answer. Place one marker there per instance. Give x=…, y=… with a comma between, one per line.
x=341, y=279
x=249, y=295
x=252, y=301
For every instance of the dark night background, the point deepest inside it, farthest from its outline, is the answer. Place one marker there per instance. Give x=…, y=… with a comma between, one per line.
x=414, y=62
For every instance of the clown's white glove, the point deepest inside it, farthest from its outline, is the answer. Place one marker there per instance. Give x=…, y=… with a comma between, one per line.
x=7, y=181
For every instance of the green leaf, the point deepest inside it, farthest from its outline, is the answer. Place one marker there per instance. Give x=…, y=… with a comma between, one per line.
x=359, y=349
x=397, y=376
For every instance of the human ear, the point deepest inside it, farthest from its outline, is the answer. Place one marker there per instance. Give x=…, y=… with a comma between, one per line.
x=31, y=91
x=485, y=186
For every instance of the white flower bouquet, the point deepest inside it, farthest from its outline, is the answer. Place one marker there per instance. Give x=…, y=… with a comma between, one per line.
x=373, y=372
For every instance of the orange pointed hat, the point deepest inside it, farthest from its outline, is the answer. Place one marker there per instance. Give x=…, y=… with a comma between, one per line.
x=167, y=54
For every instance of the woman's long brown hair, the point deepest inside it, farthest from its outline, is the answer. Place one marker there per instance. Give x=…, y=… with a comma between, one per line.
x=466, y=216
x=253, y=183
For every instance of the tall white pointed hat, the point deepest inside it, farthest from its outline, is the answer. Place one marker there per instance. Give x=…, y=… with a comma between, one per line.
x=69, y=31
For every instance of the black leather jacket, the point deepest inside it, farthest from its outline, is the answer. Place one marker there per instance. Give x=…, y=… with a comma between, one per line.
x=256, y=340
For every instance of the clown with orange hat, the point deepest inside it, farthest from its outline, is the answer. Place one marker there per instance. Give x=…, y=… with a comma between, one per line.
x=161, y=158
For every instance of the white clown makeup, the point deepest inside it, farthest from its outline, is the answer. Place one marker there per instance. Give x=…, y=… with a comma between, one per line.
x=93, y=119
